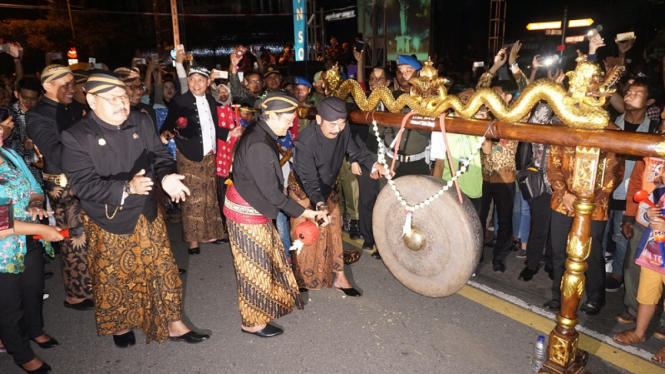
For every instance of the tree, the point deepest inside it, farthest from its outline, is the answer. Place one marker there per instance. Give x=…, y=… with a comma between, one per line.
x=97, y=34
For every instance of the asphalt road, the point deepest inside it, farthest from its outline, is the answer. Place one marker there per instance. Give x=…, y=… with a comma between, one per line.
x=388, y=330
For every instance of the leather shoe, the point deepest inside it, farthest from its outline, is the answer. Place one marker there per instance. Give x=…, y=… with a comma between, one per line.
x=499, y=267
x=553, y=305
x=86, y=304
x=47, y=344
x=194, y=251
x=527, y=274
x=181, y=271
x=220, y=241
x=591, y=308
x=352, y=292
x=549, y=271
x=367, y=246
x=267, y=332
x=44, y=369
x=190, y=337
x=303, y=289
x=125, y=340
x=376, y=255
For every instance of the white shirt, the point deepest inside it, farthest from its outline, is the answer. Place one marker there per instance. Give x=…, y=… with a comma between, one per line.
x=207, y=125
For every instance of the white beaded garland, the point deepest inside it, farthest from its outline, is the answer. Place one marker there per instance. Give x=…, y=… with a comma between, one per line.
x=411, y=208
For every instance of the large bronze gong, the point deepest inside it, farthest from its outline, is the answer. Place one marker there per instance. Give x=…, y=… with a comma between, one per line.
x=446, y=242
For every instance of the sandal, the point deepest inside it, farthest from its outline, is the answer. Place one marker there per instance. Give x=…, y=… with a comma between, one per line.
x=351, y=256
x=625, y=317
x=659, y=357
x=627, y=338
x=659, y=333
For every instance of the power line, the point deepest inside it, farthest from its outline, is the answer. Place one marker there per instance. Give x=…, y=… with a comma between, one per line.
x=86, y=10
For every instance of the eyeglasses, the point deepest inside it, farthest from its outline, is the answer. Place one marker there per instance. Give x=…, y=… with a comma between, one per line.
x=135, y=87
x=254, y=81
x=115, y=100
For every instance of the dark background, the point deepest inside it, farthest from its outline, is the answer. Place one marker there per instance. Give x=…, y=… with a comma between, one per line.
x=454, y=25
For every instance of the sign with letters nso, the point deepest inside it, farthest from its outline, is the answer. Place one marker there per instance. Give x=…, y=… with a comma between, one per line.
x=299, y=33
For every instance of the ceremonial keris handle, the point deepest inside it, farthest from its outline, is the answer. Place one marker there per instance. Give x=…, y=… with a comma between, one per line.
x=563, y=355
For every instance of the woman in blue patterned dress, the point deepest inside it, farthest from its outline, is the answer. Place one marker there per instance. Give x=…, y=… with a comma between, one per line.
x=22, y=264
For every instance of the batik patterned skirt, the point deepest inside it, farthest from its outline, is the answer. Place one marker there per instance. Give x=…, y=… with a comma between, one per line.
x=267, y=288
x=73, y=252
x=315, y=265
x=201, y=215
x=135, y=280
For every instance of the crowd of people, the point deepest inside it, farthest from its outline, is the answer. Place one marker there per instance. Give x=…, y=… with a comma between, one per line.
x=112, y=155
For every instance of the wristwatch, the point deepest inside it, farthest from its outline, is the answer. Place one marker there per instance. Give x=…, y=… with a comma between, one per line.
x=128, y=189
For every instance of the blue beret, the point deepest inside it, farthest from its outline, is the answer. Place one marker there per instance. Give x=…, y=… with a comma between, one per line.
x=408, y=60
x=297, y=80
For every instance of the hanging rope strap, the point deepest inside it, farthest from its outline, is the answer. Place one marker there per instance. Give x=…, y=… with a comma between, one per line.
x=442, y=124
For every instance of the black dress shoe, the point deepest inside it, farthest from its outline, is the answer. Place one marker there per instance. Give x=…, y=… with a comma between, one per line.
x=352, y=292
x=194, y=251
x=190, y=337
x=47, y=344
x=549, y=271
x=367, y=246
x=86, y=304
x=267, y=332
x=376, y=255
x=125, y=340
x=181, y=271
x=592, y=308
x=220, y=241
x=553, y=305
x=302, y=289
x=499, y=267
x=44, y=369
x=527, y=274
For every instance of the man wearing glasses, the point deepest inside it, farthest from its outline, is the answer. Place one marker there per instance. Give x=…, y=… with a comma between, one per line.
x=113, y=158
x=135, y=90
x=57, y=111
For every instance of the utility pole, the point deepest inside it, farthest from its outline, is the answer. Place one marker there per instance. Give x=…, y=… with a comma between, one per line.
x=71, y=22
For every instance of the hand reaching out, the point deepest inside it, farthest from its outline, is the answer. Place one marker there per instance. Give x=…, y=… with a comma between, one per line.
x=596, y=43
x=514, y=53
x=173, y=186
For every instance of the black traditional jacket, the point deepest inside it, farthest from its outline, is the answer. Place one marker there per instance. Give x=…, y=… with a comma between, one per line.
x=44, y=124
x=189, y=139
x=257, y=174
x=99, y=158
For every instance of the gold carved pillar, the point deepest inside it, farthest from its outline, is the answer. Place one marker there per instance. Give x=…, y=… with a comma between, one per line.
x=563, y=355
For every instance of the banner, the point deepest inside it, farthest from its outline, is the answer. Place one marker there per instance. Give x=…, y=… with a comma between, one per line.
x=299, y=31
x=408, y=28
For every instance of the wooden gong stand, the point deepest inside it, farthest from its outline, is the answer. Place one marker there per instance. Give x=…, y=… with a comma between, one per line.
x=563, y=354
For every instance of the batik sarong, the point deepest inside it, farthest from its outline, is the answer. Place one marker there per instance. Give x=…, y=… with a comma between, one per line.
x=201, y=216
x=135, y=280
x=73, y=251
x=267, y=288
x=315, y=265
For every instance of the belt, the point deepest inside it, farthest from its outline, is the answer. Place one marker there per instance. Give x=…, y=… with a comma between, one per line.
x=410, y=158
x=59, y=179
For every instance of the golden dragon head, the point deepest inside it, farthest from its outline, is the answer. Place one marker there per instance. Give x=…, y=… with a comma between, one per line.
x=589, y=86
x=428, y=85
x=331, y=80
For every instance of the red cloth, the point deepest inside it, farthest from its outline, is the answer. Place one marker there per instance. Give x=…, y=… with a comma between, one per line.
x=226, y=120
x=235, y=214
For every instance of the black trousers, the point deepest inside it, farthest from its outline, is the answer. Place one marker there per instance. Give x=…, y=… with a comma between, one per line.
x=21, y=301
x=539, y=237
x=368, y=192
x=503, y=195
x=595, y=274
